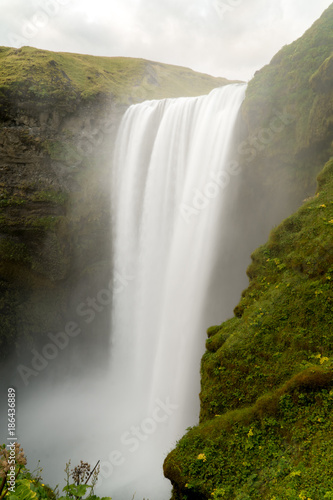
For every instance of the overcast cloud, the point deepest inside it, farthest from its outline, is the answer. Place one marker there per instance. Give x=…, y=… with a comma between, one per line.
x=230, y=38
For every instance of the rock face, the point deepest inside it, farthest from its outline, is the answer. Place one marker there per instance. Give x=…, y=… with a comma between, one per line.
x=54, y=203
x=265, y=426
x=58, y=118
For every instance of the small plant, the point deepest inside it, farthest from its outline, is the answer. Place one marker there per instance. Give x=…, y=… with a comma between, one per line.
x=17, y=482
x=81, y=475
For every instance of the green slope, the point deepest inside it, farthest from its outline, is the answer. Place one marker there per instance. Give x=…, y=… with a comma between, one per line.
x=42, y=74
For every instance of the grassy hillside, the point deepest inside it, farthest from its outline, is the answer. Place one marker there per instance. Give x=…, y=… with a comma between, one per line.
x=54, y=75
x=266, y=427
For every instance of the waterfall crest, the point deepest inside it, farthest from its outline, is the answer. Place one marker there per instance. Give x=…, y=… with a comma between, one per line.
x=172, y=169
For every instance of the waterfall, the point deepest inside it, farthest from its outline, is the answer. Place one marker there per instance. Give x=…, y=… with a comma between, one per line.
x=175, y=267
x=172, y=169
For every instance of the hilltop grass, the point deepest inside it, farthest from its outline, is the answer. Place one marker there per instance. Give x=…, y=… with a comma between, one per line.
x=54, y=75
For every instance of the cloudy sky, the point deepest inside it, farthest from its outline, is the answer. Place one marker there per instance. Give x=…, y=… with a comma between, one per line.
x=230, y=38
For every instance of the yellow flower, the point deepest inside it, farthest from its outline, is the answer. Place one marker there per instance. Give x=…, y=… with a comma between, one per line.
x=202, y=457
x=330, y=221
x=250, y=433
x=323, y=360
x=303, y=496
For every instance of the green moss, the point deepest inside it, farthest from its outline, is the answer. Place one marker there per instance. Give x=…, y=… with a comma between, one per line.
x=50, y=196
x=322, y=78
x=14, y=251
x=47, y=223
x=33, y=223
x=9, y=300
x=55, y=149
x=286, y=78
x=288, y=304
x=275, y=449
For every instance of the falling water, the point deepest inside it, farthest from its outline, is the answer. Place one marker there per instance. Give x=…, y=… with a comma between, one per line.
x=173, y=165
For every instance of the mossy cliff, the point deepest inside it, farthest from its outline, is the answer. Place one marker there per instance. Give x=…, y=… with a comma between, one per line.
x=266, y=428
x=288, y=122
x=58, y=117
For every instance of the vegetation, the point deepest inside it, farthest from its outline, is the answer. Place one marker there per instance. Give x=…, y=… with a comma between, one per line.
x=18, y=483
x=298, y=81
x=286, y=79
x=51, y=196
x=285, y=315
x=42, y=75
x=279, y=448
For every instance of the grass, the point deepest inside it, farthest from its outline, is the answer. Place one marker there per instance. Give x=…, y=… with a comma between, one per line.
x=284, y=316
x=280, y=448
x=55, y=76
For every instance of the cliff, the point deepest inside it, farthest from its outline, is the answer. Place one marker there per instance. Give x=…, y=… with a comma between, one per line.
x=265, y=426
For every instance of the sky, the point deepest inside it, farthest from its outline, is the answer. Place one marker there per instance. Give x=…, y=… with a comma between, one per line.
x=229, y=38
